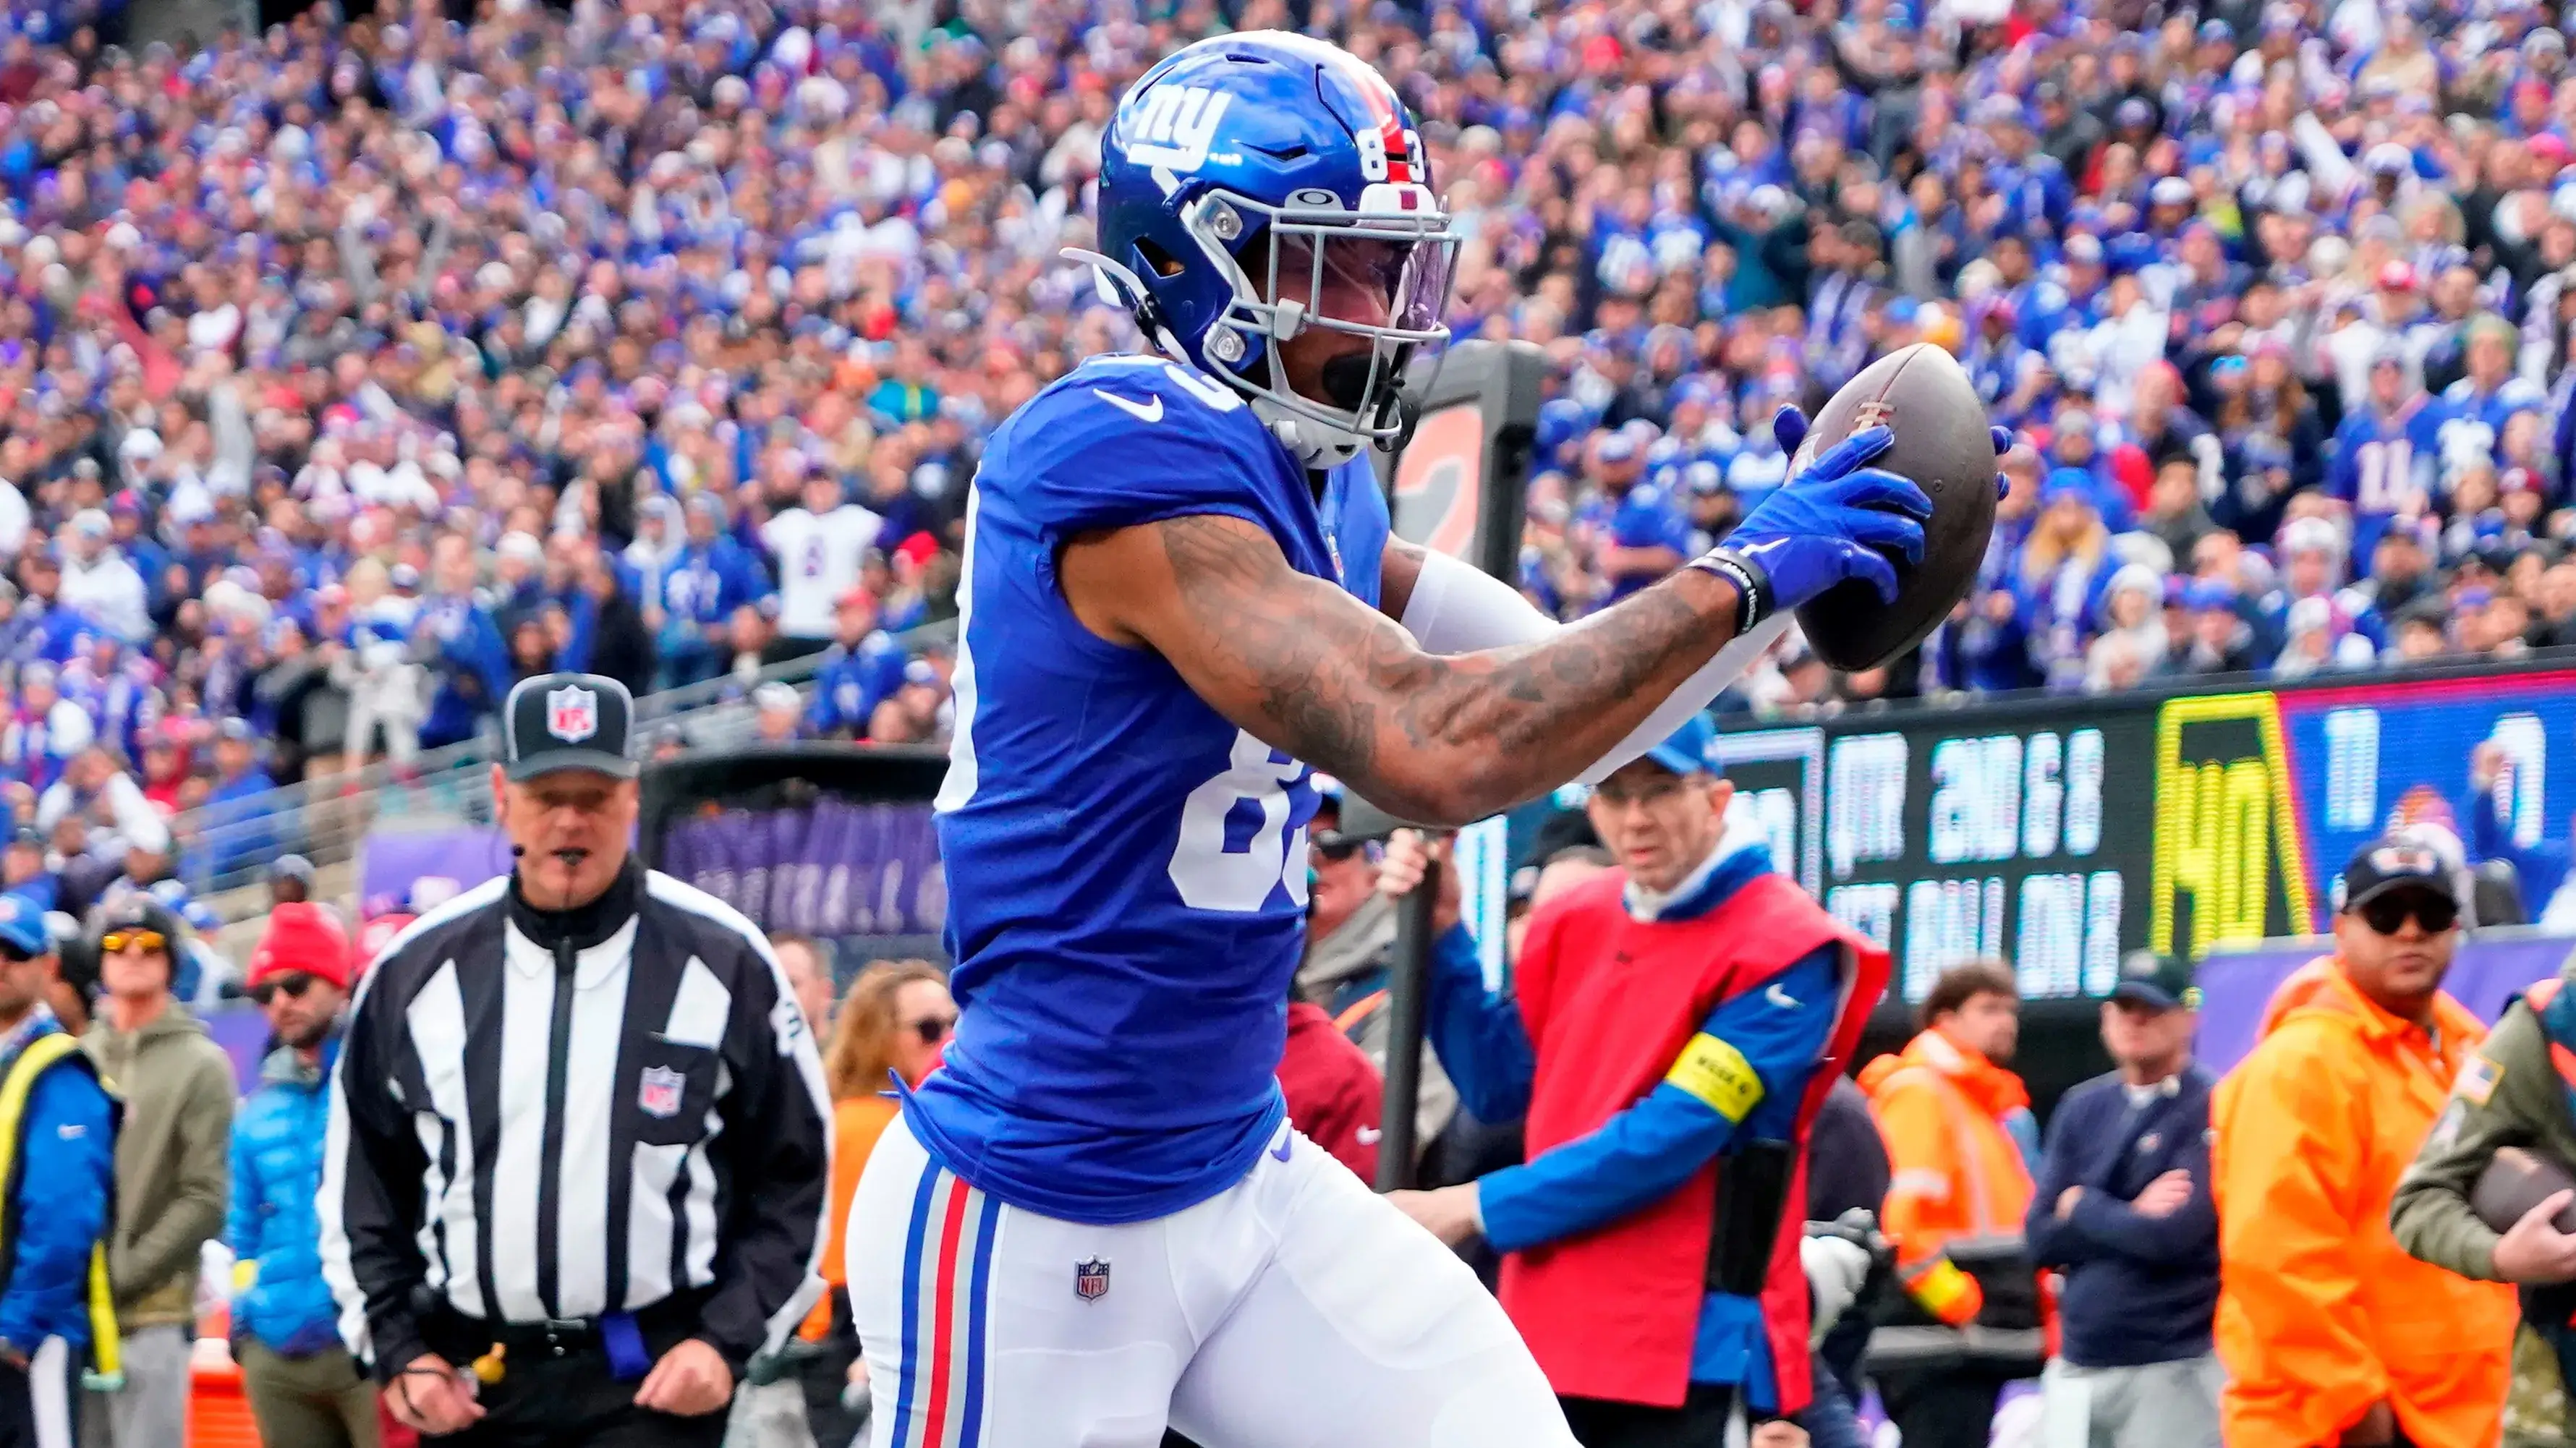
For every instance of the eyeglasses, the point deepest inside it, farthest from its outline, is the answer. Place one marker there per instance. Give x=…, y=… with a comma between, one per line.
x=2388, y=914
x=115, y=942
x=1653, y=791
x=12, y=955
x=932, y=1029
x=292, y=985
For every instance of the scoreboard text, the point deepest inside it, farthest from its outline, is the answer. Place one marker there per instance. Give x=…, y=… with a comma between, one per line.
x=2061, y=834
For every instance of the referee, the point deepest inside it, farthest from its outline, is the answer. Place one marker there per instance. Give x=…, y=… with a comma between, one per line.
x=578, y=1139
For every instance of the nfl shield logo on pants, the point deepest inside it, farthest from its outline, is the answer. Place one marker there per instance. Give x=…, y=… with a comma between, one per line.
x=572, y=714
x=1091, y=1280
x=660, y=1096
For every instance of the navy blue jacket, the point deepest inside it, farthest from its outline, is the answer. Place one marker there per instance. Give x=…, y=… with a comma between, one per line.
x=2138, y=1289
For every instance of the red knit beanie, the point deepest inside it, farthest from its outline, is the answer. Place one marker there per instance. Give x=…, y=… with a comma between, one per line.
x=302, y=936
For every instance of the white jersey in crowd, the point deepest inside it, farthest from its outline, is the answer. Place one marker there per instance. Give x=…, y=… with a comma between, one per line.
x=108, y=589
x=818, y=561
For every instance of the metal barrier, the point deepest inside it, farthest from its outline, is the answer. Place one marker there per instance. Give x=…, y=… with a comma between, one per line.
x=225, y=847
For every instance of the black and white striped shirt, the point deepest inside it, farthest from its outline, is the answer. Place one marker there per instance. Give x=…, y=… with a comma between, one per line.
x=541, y=1115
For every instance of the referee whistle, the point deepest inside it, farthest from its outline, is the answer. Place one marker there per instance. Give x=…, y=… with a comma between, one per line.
x=488, y=1368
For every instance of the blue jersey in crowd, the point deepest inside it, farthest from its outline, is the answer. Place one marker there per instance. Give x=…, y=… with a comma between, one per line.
x=1126, y=868
x=852, y=682
x=1648, y=517
x=2379, y=460
x=708, y=581
x=2473, y=421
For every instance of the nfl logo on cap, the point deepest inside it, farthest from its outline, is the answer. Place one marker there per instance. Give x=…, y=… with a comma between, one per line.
x=568, y=721
x=572, y=714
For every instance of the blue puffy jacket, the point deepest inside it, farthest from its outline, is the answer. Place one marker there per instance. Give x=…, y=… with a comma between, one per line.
x=64, y=1186
x=277, y=1173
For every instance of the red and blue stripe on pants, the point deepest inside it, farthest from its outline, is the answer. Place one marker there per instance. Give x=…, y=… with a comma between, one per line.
x=947, y=1267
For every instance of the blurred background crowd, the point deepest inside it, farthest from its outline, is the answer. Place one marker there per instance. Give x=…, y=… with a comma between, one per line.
x=355, y=367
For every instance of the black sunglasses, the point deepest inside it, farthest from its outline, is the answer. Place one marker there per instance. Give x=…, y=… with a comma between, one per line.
x=2388, y=914
x=932, y=1029
x=1336, y=846
x=293, y=985
x=14, y=956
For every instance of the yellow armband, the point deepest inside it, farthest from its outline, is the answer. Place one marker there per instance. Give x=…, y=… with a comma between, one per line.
x=1945, y=1291
x=1717, y=1073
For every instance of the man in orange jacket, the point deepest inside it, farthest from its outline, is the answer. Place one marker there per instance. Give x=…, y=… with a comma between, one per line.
x=1960, y=1141
x=2330, y=1333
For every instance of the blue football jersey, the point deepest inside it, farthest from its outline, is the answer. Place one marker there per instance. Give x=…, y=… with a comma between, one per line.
x=1126, y=868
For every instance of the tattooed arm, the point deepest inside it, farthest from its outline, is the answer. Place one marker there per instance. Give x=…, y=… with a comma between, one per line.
x=1311, y=670
x=1451, y=608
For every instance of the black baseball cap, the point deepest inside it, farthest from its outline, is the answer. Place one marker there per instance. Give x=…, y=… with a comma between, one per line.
x=139, y=911
x=2394, y=862
x=2158, y=982
x=565, y=721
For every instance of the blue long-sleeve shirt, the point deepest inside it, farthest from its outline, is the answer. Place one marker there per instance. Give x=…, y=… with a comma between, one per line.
x=69, y=1140
x=1650, y=1149
x=2139, y=1289
x=1644, y=1153
x=474, y=669
x=2541, y=867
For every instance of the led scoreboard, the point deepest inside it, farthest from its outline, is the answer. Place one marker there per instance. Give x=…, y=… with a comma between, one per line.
x=2061, y=834
x=1948, y=836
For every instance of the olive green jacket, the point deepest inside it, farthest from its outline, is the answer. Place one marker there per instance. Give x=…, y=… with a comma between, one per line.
x=173, y=1160
x=2509, y=1094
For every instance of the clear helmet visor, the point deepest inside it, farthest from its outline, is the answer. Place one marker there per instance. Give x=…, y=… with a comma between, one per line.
x=1362, y=280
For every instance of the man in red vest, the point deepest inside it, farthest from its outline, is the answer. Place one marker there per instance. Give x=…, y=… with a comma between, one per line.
x=1685, y=1015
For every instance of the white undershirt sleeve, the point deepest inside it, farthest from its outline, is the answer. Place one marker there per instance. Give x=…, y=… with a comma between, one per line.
x=1459, y=609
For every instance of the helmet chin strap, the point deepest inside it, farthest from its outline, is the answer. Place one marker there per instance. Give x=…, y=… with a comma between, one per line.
x=1314, y=444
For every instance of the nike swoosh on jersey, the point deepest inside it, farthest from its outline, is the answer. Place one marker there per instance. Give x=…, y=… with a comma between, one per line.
x=1780, y=998
x=1149, y=410
x=1368, y=1135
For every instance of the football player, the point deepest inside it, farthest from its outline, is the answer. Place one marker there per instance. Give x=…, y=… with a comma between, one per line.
x=1178, y=601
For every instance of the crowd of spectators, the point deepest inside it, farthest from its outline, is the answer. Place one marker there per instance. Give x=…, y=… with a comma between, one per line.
x=352, y=371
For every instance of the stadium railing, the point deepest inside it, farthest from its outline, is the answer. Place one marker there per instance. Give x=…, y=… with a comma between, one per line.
x=224, y=848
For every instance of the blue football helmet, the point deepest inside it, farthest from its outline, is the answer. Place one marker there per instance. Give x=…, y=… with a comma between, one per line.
x=1247, y=161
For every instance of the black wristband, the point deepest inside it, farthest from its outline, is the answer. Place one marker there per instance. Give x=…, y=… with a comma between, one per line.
x=1751, y=582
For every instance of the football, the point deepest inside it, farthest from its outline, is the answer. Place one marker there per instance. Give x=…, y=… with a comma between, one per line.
x=1924, y=396
x=2517, y=1181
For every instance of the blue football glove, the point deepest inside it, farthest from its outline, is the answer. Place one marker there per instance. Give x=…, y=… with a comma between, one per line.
x=1825, y=527
x=1789, y=425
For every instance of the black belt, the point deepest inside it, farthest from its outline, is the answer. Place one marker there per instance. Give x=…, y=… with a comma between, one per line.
x=556, y=1336
x=673, y=1317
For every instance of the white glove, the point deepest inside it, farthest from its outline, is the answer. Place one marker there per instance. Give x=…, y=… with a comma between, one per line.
x=1835, y=1269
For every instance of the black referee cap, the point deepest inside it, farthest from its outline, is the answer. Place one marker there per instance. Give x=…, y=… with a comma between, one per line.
x=568, y=721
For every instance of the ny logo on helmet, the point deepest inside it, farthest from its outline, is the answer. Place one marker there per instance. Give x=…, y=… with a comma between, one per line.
x=1176, y=127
